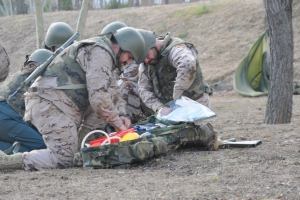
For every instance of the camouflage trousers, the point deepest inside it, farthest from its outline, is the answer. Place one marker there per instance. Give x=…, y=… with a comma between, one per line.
x=59, y=134
x=131, y=96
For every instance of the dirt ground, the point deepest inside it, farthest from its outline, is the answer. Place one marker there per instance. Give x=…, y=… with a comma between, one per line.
x=223, y=35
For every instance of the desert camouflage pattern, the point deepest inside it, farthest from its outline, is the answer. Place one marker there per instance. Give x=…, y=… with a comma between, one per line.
x=133, y=106
x=177, y=73
x=4, y=63
x=127, y=82
x=59, y=132
x=68, y=69
x=58, y=118
x=130, y=74
x=11, y=84
x=122, y=154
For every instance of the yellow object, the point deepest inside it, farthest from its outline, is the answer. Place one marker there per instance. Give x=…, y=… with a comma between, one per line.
x=130, y=136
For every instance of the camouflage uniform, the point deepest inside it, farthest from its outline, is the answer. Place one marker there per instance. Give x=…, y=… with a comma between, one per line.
x=129, y=87
x=4, y=63
x=176, y=73
x=12, y=112
x=57, y=113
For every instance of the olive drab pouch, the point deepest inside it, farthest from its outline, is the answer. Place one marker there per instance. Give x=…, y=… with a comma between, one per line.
x=180, y=134
x=121, y=154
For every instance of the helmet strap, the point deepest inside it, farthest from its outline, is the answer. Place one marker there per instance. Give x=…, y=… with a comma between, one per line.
x=118, y=56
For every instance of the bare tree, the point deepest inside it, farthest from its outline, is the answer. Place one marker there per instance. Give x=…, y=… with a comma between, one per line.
x=279, y=17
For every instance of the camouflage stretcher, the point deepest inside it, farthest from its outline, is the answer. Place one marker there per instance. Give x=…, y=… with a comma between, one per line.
x=129, y=153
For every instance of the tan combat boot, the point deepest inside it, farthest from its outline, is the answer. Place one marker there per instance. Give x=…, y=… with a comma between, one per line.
x=11, y=162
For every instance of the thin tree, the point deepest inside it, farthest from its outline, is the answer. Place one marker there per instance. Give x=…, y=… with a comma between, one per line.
x=280, y=95
x=39, y=22
x=82, y=18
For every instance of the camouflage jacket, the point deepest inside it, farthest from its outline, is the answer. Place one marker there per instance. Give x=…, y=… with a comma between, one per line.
x=177, y=73
x=4, y=63
x=69, y=72
x=11, y=84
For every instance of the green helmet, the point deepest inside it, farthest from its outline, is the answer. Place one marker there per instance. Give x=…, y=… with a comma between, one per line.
x=131, y=40
x=150, y=41
x=39, y=56
x=57, y=34
x=112, y=27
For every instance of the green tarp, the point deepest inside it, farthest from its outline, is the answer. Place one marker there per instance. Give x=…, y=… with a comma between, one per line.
x=251, y=76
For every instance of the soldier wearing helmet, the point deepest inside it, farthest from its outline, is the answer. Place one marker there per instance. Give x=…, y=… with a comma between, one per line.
x=171, y=69
x=126, y=86
x=4, y=62
x=77, y=78
x=57, y=34
x=112, y=27
x=14, y=128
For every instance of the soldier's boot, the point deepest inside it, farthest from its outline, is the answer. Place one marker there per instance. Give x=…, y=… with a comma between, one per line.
x=11, y=162
x=208, y=137
x=82, y=132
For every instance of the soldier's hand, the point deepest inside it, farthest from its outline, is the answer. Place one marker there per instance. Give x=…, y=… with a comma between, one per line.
x=126, y=121
x=165, y=111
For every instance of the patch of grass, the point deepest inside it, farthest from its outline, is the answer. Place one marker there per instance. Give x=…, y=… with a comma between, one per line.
x=215, y=178
x=164, y=26
x=204, y=158
x=193, y=11
x=183, y=34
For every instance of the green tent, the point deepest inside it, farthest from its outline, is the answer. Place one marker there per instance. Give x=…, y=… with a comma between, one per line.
x=251, y=78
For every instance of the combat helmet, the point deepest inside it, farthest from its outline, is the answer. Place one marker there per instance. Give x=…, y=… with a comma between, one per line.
x=39, y=56
x=112, y=27
x=131, y=40
x=57, y=34
x=150, y=42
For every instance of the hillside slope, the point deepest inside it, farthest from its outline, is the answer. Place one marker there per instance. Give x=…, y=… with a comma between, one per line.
x=222, y=30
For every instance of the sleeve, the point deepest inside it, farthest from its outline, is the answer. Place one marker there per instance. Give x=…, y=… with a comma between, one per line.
x=115, y=90
x=97, y=63
x=4, y=63
x=184, y=60
x=146, y=90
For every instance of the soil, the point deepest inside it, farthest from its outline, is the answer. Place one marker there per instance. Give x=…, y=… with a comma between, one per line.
x=223, y=35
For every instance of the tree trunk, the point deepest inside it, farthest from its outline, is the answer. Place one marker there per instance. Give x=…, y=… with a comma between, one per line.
x=11, y=7
x=5, y=8
x=280, y=95
x=39, y=22
x=166, y=1
x=82, y=18
x=22, y=8
x=58, y=5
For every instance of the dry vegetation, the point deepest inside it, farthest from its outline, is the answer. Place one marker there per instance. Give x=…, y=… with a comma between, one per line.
x=223, y=31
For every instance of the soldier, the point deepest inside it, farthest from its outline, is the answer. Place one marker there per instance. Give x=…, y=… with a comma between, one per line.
x=171, y=69
x=13, y=127
x=4, y=63
x=78, y=77
x=128, y=79
x=126, y=85
x=57, y=34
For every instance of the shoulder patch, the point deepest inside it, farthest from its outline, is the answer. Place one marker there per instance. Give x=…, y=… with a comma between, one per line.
x=180, y=46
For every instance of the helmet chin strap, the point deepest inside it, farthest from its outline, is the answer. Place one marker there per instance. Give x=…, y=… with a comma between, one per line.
x=157, y=53
x=118, y=56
